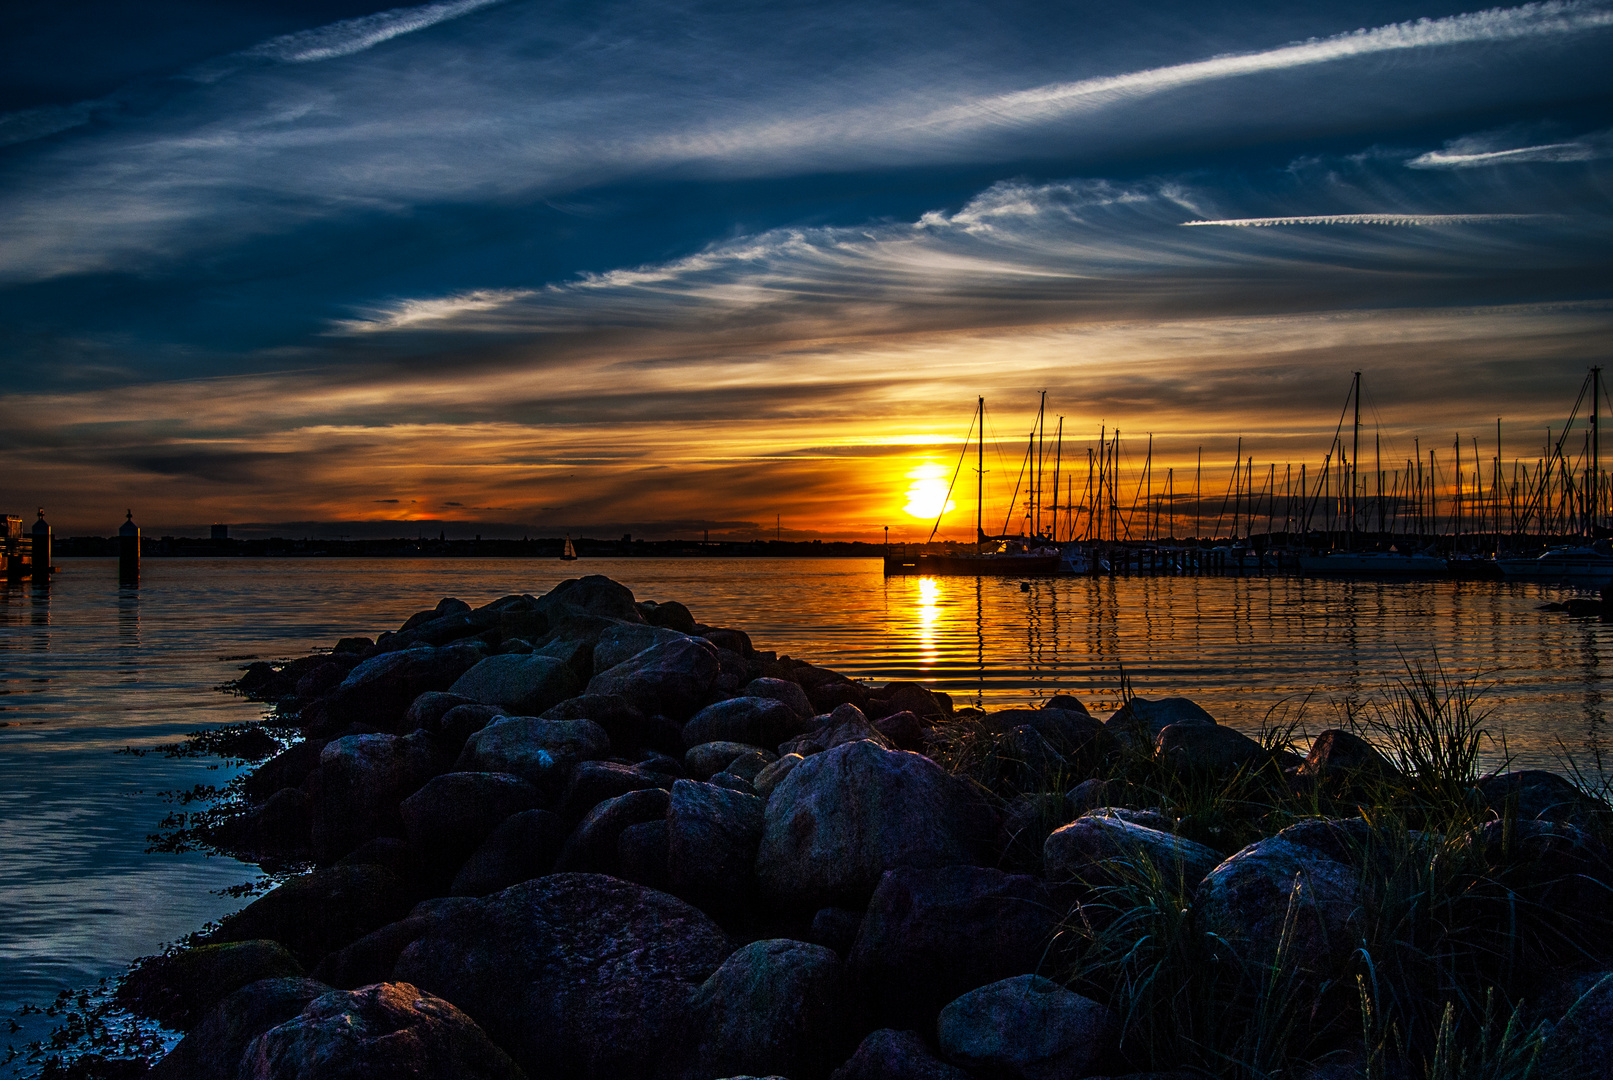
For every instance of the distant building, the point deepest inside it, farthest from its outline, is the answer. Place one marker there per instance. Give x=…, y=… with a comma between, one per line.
x=221, y=532
x=10, y=527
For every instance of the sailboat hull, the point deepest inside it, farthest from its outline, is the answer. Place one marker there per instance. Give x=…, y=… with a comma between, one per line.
x=1374, y=564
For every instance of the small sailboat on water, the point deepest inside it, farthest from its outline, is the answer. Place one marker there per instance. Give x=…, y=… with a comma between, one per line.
x=568, y=553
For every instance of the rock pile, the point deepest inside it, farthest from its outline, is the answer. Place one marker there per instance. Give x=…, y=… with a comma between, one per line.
x=580, y=836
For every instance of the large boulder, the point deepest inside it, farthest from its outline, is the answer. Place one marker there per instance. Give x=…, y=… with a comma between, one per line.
x=320, y=911
x=1533, y=794
x=380, y=690
x=523, y=847
x=523, y=685
x=626, y=640
x=1145, y=719
x=389, y=1029
x=774, y=1007
x=1580, y=1012
x=370, y=959
x=888, y=1054
x=712, y=836
x=214, y=1047
x=673, y=678
x=452, y=814
x=895, y=697
x=592, y=846
x=576, y=975
x=1206, y=748
x=1074, y=735
x=1244, y=903
x=362, y=779
x=592, y=595
x=841, y=818
x=931, y=935
x=622, y=721
x=846, y=724
x=1101, y=848
x=1026, y=1027
x=705, y=760
x=759, y=721
x=592, y=782
x=542, y=752
x=782, y=690
x=667, y=613
x=179, y=988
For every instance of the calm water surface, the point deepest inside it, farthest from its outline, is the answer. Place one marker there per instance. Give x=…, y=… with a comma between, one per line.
x=87, y=669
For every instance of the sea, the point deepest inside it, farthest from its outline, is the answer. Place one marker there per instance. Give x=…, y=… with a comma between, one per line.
x=90, y=671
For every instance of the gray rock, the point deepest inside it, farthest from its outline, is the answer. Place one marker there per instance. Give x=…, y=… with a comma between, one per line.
x=541, y=752
x=733, y=782
x=1075, y=737
x=213, y=1049
x=712, y=837
x=930, y=935
x=592, y=782
x=1149, y=718
x=286, y=821
x=1102, y=794
x=389, y=1029
x=426, y=711
x=523, y=685
x=770, y=777
x=320, y=911
x=774, y=1006
x=525, y=846
x=1102, y=848
x=1028, y=821
x=624, y=723
x=450, y=816
x=888, y=1054
x=910, y=697
x=842, y=818
x=595, y=595
x=748, y=767
x=1580, y=1010
x=667, y=613
x=781, y=690
x=835, y=928
x=592, y=845
x=1026, y=1027
x=641, y=854
x=380, y=690
x=673, y=678
x=627, y=640
x=1533, y=794
x=362, y=780
x=179, y=988
x=1339, y=755
x=1206, y=748
x=846, y=724
x=371, y=958
x=1244, y=903
x=705, y=759
x=758, y=721
x=575, y=975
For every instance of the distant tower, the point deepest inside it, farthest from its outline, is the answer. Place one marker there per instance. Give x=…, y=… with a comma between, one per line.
x=221, y=532
x=129, y=551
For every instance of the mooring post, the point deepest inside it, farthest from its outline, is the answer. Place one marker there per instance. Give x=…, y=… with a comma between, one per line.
x=41, y=552
x=129, y=551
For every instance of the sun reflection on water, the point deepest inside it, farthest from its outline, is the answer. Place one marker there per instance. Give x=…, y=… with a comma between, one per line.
x=929, y=613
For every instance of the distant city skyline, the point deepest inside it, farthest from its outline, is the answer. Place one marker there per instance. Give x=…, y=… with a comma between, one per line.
x=502, y=267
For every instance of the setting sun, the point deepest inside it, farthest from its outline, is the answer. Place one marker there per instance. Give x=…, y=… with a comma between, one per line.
x=927, y=494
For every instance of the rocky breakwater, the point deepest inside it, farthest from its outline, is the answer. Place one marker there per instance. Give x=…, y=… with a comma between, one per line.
x=584, y=836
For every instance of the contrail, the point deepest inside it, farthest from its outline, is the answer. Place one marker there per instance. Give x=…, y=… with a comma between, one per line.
x=351, y=36
x=1494, y=24
x=1376, y=219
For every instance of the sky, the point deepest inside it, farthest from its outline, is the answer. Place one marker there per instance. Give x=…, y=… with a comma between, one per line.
x=515, y=268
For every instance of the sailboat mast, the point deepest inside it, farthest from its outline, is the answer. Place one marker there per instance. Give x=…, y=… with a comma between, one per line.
x=1058, y=460
x=1596, y=448
x=1355, y=455
x=980, y=475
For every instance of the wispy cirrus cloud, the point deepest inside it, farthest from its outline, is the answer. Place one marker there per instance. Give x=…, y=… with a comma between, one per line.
x=351, y=36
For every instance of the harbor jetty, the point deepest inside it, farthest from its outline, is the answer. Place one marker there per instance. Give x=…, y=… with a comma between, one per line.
x=584, y=835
